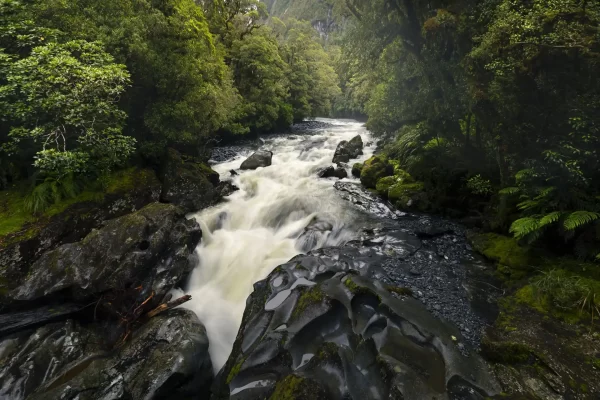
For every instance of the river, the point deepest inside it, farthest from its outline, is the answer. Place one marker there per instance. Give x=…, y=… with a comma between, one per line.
x=260, y=226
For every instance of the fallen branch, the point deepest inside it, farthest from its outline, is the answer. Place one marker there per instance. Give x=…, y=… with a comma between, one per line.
x=168, y=306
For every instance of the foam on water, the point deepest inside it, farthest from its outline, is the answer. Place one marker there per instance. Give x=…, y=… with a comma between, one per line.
x=264, y=224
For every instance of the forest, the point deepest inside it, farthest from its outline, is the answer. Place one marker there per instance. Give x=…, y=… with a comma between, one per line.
x=483, y=126
x=88, y=87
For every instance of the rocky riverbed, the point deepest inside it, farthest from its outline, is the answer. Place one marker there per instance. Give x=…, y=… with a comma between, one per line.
x=302, y=288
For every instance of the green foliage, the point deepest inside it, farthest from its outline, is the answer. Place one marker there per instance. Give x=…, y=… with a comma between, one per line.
x=567, y=293
x=51, y=191
x=479, y=185
x=63, y=96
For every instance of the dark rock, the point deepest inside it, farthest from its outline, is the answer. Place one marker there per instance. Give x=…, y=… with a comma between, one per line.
x=187, y=183
x=19, y=321
x=148, y=248
x=225, y=188
x=326, y=172
x=348, y=150
x=261, y=158
x=166, y=358
x=356, y=169
x=340, y=173
x=127, y=191
x=322, y=327
x=432, y=231
x=233, y=172
x=364, y=200
x=309, y=126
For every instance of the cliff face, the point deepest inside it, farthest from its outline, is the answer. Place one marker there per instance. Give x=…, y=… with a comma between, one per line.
x=326, y=16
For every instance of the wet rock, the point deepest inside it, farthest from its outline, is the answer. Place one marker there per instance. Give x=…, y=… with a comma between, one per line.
x=340, y=173
x=326, y=172
x=22, y=320
x=187, y=183
x=261, y=158
x=322, y=326
x=226, y=188
x=347, y=150
x=127, y=191
x=364, y=200
x=148, y=248
x=233, y=172
x=166, y=358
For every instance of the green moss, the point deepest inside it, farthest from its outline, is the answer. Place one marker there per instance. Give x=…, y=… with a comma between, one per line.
x=503, y=249
x=288, y=389
x=357, y=169
x=314, y=295
x=402, y=291
x=235, y=370
x=373, y=170
x=408, y=195
x=384, y=184
x=15, y=219
x=505, y=352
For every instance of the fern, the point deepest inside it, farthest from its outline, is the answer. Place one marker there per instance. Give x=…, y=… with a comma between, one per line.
x=526, y=228
x=509, y=191
x=578, y=219
x=550, y=218
x=49, y=192
x=528, y=204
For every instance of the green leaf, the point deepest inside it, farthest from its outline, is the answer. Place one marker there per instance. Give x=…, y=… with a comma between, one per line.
x=578, y=219
x=509, y=191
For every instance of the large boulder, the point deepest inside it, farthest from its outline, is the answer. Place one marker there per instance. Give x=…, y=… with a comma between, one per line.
x=261, y=158
x=357, y=169
x=69, y=221
x=148, y=249
x=187, y=182
x=373, y=170
x=347, y=150
x=167, y=357
x=326, y=172
x=322, y=327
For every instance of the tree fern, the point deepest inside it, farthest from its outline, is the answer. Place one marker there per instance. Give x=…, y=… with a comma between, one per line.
x=578, y=219
x=528, y=204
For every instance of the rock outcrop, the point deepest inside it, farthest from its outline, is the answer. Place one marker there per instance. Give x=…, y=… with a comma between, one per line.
x=165, y=358
x=148, y=248
x=187, y=182
x=261, y=158
x=347, y=150
x=71, y=220
x=323, y=327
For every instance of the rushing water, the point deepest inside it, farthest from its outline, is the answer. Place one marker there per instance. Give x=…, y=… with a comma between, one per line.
x=279, y=212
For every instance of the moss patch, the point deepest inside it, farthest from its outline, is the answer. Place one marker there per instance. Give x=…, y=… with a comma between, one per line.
x=402, y=291
x=373, y=170
x=505, y=352
x=235, y=370
x=503, y=249
x=314, y=295
x=288, y=389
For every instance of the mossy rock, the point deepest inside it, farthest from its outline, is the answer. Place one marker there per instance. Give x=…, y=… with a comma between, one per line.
x=294, y=387
x=514, y=261
x=409, y=196
x=373, y=170
x=384, y=184
x=357, y=169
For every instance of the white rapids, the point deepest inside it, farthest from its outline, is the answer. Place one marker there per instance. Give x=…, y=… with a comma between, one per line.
x=261, y=226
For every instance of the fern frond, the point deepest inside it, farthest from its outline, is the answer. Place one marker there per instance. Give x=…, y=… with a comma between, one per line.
x=578, y=219
x=509, y=190
x=528, y=204
x=550, y=218
x=526, y=228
